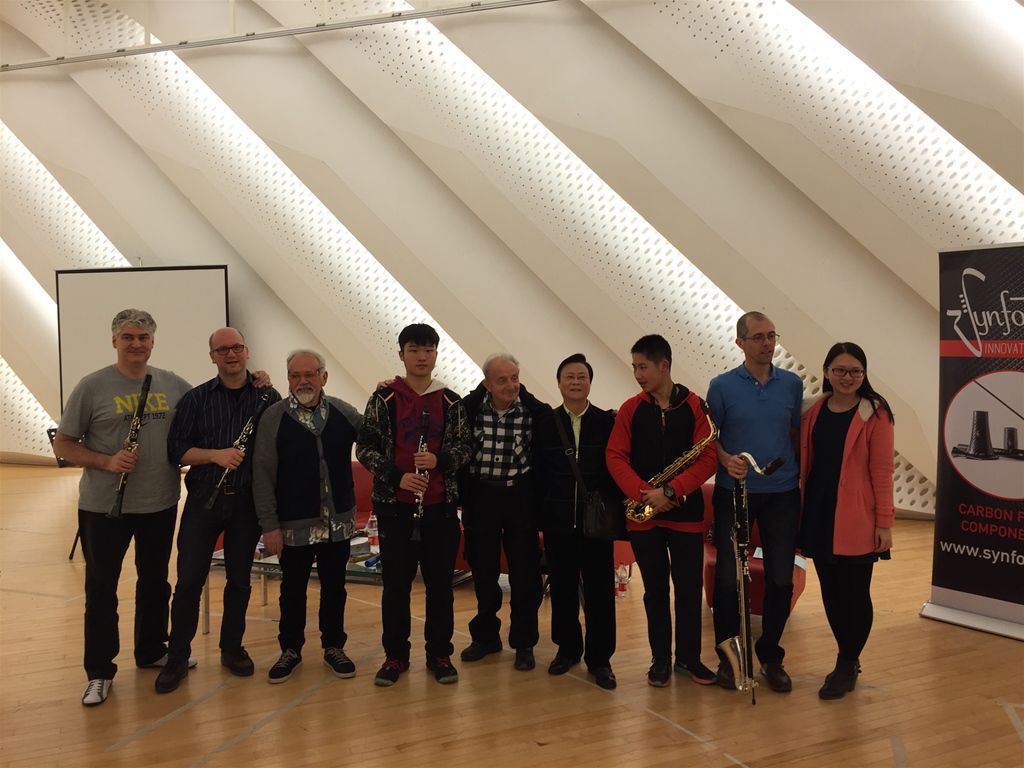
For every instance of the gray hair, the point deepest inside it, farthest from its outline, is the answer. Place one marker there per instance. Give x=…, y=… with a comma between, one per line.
x=133, y=318
x=495, y=357
x=320, y=362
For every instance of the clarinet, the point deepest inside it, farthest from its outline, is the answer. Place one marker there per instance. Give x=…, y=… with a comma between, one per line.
x=421, y=448
x=131, y=444
x=239, y=444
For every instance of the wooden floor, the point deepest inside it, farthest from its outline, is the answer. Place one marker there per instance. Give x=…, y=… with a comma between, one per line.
x=931, y=694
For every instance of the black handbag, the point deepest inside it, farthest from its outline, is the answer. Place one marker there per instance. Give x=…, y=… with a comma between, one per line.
x=601, y=519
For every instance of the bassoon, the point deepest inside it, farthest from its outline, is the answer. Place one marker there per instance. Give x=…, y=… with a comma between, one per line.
x=739, y=650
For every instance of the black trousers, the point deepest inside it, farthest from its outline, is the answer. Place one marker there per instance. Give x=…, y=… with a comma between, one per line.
x=234, y=515
x=502, y=519
x=435, y=556
x=296, y=566
x=572, y=558
x=663, y=554
x=104, y=544
x=778, y=517
x=846, y=595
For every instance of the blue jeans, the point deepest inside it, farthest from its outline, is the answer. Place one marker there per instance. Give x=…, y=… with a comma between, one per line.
x=234, y=514
x=778, y=517
x=104, y=544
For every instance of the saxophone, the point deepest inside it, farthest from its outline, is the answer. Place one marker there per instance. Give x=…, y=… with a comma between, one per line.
x=639, y=512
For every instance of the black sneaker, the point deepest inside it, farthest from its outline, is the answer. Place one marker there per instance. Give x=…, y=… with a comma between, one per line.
x=660, y=674
x=476, y=651
x=237, y=662
x=342, y=665
x=444, y=671
x=171, y=675
x=524, y=659
x=388, y=674
x=697, y=671
x=284, y=667
x=776, y=676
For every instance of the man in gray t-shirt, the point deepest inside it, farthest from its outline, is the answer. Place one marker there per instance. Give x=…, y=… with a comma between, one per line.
x=92, y=434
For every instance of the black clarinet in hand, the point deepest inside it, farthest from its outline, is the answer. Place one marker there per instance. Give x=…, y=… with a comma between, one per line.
x=131, y=444
x=239, y=444
x=421, y=448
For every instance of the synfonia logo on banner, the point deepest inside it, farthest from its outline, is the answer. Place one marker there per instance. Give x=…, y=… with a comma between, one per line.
x=979, y=520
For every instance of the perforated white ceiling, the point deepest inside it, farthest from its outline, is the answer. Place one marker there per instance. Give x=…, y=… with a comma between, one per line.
x=796, y=74
x=24, y=420
x=69, y=234
x=592, y=224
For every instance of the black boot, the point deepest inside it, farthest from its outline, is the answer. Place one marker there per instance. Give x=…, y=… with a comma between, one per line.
x=841, y=680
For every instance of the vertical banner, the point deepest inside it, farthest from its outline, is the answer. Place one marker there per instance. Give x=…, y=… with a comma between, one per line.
x=978, y=563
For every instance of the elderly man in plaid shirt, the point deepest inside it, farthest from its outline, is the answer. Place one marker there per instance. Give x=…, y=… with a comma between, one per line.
x=498, y=510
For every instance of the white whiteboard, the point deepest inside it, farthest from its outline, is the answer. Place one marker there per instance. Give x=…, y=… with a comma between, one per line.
x=187, y=303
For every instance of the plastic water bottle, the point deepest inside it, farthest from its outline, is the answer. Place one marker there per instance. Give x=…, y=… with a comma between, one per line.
x=372, y=535
x=621, y=580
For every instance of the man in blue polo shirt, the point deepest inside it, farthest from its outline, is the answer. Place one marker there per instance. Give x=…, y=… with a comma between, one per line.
x=757, y=410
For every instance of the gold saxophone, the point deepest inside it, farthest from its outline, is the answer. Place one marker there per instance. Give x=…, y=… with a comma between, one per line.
x=639, y=512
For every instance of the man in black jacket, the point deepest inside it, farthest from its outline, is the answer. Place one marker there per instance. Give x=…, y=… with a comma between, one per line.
x=498, y=511
x=571, y=557
x=305, y=500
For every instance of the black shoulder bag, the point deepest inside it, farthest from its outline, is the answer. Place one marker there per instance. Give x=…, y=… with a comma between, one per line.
x=600, y=519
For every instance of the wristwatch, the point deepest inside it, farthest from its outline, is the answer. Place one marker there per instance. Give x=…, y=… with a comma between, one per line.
x=670, y=492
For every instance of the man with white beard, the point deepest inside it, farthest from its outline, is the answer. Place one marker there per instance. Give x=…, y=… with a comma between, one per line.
x=305, y=501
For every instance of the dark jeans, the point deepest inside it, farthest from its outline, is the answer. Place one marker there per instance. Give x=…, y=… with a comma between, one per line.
x=234, y=515
x=104, y=544
x=846, y=595
x=501, y=518
x=777, y=516
x=435, y=555
x=662, y=553
x=571, y=558
x=296, y=565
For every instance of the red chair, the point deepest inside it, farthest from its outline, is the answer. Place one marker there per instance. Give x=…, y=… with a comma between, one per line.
x=363, y=482
x=756, y=588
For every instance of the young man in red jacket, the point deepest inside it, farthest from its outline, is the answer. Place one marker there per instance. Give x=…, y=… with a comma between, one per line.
x=652, y=430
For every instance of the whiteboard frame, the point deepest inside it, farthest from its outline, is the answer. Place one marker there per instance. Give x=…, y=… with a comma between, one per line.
x=187, y=303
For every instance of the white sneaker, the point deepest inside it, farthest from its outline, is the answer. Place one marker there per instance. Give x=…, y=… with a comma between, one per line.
x=162, y=662
x=96, y=692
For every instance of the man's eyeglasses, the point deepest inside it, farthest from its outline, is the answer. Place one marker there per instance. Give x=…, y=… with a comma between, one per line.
x=574, y=377
x=236, y=348
x=305, y=376
x=761, y=338
x=842, y=373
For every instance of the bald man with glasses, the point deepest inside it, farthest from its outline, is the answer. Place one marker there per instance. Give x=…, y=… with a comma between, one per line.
x=757, y=409
x=208, y=422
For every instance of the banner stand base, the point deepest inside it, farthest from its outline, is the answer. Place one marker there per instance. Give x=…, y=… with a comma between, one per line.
x=949, y=615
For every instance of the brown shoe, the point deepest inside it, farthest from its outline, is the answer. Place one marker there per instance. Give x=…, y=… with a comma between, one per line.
x=776, y=676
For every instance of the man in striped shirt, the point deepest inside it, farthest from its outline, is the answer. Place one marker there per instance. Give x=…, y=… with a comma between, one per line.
x=208, y=420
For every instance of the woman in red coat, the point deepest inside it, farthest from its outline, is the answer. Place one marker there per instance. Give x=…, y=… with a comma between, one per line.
x=846, y=468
